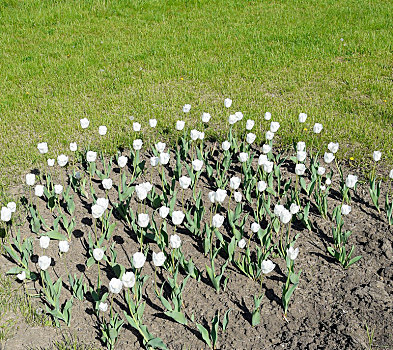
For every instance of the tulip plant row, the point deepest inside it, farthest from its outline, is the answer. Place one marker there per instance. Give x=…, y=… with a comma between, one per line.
x=244, y=220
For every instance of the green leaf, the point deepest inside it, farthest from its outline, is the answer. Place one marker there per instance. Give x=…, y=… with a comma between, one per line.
x=177, y=316
x=256, y=318
x=352, y=261
x=205, y=334
x=54, y=235
x=225, y=320
x=156, y=343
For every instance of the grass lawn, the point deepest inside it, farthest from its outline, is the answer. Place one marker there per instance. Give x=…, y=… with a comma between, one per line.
x=108, y=61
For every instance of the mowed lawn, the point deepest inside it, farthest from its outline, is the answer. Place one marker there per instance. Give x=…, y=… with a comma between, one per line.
x=112, y=60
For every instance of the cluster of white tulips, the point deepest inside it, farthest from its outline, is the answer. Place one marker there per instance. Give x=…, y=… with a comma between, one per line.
x=253, y=232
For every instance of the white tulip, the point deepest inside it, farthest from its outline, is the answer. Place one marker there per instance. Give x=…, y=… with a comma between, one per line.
x=243, y=156
x=250, y=124
x=30, y=179
x=84, y=123
x=300, y=146
x=91, y=156
x=351, y=180
x=262, y=159
x=391, y=174
x=292, y=253
x=186, y=108
x=220, y=196
x=12, y=206
x=328, y=182
x=328, y=157
x=234, y=182
x=268, y=116
x=5, y=214
x=153, y=123
x=97, y=211
x=226, y=145
x=103, y=202
x=302, y=117
x=141, y=192
x=21, y=276
x=138, y=260
x=136, y=126
x=217, y=220
x=102, y=130
x=321, y=170
x=185, y=182
x=194, y=134
x=128, y=279
x=164, y=158
x=250, y=138
x=197, y=164
x=268, y=167
x=269, y=135
x=345, y=209
x=255, y=227
x=147, y=186
x=242, y=243
x=42, y=147
x=143, y=220
x=174, y=241
x=98, y=254
x=64, y=246
x=159, y=259
x=115, y=285
x=58, y=189
x=62, y=160
x=301, y=156
x=232, y=119
x=201, y=135
x=177, y=217
x=122, y=161
x=238, y=196
x=137, y=144
x=333, y=147
x=278, y=208
x=206, y=117
x=261, y=186
x=160, y=147
x=274, y=126
x=322, y=187
x=73, y=147
x=227, y=102
x=266, y=148
x=51, y=162
x=267, y=266
x=300, y=169
x=294, y=208
x=107, y=184
x=317, y=128
x=164, y=211
x=376, y=156
x=212, y=196
x=285, y=216
x=44, y=262
x=103, y=307
x=154, y=161
x=180, y=125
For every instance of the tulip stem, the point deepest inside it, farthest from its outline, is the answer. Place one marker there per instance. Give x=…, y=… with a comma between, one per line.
x=95, y=230
x=155, y=279
x=99, y=280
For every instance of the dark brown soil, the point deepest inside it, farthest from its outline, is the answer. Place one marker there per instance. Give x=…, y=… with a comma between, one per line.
x=329, y=310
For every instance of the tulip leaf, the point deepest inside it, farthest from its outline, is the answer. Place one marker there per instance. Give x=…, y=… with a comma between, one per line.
x=225, y=320
x=54, y=235
x=156, y=343
x=177, y=316
x=165, y=303
x=256, y=317
x=205, y=334
x=14, y=270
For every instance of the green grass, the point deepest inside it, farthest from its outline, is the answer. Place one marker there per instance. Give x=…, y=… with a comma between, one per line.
x=64, y=60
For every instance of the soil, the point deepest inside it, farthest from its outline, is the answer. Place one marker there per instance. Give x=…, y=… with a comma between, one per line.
x=330, y=309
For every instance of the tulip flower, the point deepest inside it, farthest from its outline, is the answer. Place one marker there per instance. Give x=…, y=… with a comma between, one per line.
x=267, y=266
x=138, y=260
x=153, y=123
x=98, y=254
x=234, y=182
x=328, y=157
x=5, y=214
x=250, y=124
x=226, y=145
x=186, y=108
x=180, y=125
x=73, y=147
x=351, y=180
x=261, y=186
x=217, y=221
x=164, y=158
x=317, y=128
x=62, y=160
x=107, y=184
x=333, y=147
x=377, y=156
x=174, y=241
x=285, y=216
x=51, y=162
x=242, y=243
x=177, y=217
x=206, y=117
x=137, y=144
x=44, y=242
x=21, y=276
x=30, y=179
x=250, y=138
x=300, y=146
x=42, y=147
x=243, y=157
x=302, y=117
x=136, y=126
x=255, y=227
x=220, y=196
x=262, y=159
x=103, y=307
x=294, y=209
x=232, y=119
x=64, y=246
x=185, y=182
x=115, y=285
x=44, y=262
x=268, y=167
x=164, y=211
x=84, y=123
x=102, y=130
x=143, y=220
x=58, y=189
x=238, y=197
x=197, y=164
x=300, y=169
x=128, y=279
x=345, y=209
x=227, y=102
x=158, y=259
x=292, y=253
x=122, y=161
x=160, y=147
x=321, y=170
x=268, y=116
x=12, y=206
x=274, y=126
x=301, y=156
x=269, y=135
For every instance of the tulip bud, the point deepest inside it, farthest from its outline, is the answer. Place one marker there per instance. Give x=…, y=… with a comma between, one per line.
x=302, y=117
x=84, y=123
x=62, y=160
x=175, y=241
x=227, y=102
x=136, y=126
x=115, y=285
x=268, y=116
x=153, y=123
x=180, y=125
x=102, y=130
x=186, y=108
x=317, y=128
x=128, y=279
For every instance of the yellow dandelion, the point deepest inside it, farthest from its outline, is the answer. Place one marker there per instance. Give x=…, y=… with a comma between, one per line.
x=351, y=158
x=181, y=78
x=305, y=129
